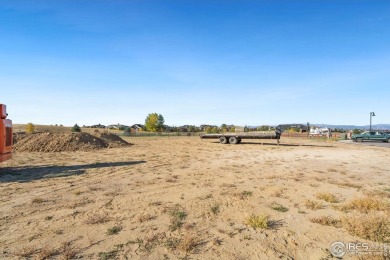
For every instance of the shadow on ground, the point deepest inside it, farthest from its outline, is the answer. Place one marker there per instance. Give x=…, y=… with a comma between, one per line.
x=281, y=144
x=31, y=173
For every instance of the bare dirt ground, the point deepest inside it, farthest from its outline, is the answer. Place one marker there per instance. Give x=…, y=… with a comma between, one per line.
x=186, y=198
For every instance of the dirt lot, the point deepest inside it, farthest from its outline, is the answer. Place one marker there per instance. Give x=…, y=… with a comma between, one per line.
x=171, y=198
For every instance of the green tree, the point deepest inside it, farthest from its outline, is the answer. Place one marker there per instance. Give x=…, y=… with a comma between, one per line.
x=160, y=123
x=208, y=130
x=126, y=131
x=356, y=131
x=76, y=128
x=30, y=128
x=154, y=122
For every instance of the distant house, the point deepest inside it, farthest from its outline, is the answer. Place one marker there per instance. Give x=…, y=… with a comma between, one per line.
x=138, y=127
x=98, y=126
x=117, y=127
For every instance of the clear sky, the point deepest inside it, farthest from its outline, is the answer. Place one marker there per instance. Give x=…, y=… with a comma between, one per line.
x=194, y=62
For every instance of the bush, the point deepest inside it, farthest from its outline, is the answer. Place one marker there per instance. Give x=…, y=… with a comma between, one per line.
x=30, y=128
x=76, y=128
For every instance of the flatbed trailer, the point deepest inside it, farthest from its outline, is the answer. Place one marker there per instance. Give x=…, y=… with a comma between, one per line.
x=236, y=138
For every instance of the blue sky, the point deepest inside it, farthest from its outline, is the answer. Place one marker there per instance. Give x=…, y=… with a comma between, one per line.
x=195, y=62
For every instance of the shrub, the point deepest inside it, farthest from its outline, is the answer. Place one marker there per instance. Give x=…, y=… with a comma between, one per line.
x=30, y=128
x=258, y=221
x=76, y=128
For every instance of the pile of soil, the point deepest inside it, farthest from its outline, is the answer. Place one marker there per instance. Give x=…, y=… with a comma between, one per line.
x=64, y=142
x=112, y=140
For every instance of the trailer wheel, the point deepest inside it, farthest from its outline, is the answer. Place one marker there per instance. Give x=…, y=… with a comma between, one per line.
x=223, y=140
x=233, y=140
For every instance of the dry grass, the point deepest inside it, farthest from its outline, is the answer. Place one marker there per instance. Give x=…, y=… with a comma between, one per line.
x=313, y=205
x=365, y=205
x=327, y=196
x=68, y=251
x=279, y=207
x=373, y=227
x=97, y=219
x=38, y=201
x=177, y=217
x=46, y=253
x=188, y=243
x=326, y=221
x=261, y=221
x=145, y=217
x=26, y=251
x=349, y=184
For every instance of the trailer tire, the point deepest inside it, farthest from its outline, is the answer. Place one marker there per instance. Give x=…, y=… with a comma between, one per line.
x=233, y=140
x=223, y=140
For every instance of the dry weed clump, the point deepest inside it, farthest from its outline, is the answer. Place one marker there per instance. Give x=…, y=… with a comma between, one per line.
x=46, y=253
x=279, y=207
x=26, y=251
x=255, y=221
x=177, y=217
x=365, y=205
x=97, y=219
x=313, y=205
x=68, y=252
x=188, y=243
x=326, y=221
x=327, y=196
x=373, y=227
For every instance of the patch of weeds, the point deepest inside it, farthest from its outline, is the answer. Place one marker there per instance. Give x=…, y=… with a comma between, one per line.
x=47, y=253
x=215, y=209
x=377, y=193
x=188, y=244
x=387, y=189
x=247, y=237
x=26, y=251
x=279, y=207
x=97, y=219
x=49, y=218
x=172, y=243
x=68, y=252
x=209, y=196
x=326, y=221
x=301, y=211
x=372, y=227
x=328, y=197
x=177, y=217
x=114, y=230
x=155, y=203
x=313, y=205
x=38, y=201
x=365, y=205
x=349, y=184
x=255, y=221
x=108, y=255
x=245, y=194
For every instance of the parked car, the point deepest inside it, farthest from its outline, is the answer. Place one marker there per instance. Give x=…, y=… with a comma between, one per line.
x=372, y=136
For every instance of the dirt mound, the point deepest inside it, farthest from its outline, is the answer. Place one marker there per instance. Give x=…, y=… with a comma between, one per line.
x=62, y=142
x=112, y=140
